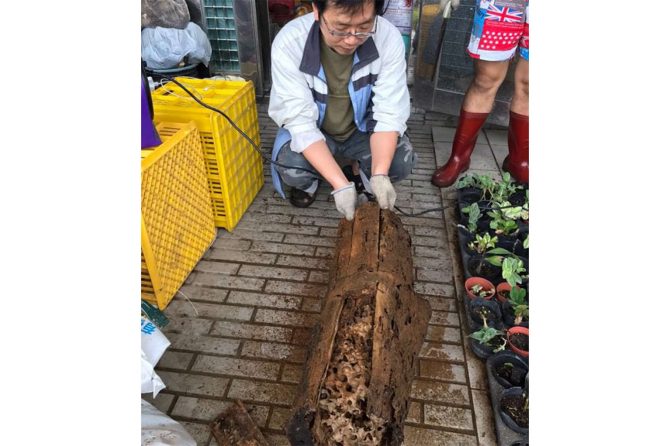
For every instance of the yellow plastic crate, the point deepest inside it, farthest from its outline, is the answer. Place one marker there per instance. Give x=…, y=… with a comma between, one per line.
x=177, y=219
x=234, y=168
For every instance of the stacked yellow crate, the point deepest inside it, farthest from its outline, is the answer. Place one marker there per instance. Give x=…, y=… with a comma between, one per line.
x=234, y=167
x=177, y=218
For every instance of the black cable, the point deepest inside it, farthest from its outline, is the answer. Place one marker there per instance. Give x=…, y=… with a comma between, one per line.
x=240, y=131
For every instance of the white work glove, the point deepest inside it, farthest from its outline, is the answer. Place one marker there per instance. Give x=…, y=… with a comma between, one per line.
x=345, y=200
x=383, y=190
x=454, y=4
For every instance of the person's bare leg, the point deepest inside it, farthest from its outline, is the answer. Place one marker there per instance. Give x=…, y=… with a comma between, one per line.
x=516, y=163
x=477, y=105
x=489, y=76
x=521, y=86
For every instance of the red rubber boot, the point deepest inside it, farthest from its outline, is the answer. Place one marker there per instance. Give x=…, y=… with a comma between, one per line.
x=516, y=163
x=465, y=138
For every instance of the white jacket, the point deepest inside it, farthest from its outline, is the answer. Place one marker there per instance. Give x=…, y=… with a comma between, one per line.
x=378, y=84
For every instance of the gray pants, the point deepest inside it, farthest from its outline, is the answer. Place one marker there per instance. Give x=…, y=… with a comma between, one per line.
x=357, y=147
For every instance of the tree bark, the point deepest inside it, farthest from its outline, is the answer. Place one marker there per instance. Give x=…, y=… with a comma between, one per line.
x=234, y=427
x=362, y=358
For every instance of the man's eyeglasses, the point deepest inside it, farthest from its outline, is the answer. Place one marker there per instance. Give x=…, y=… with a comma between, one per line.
x=342, y=34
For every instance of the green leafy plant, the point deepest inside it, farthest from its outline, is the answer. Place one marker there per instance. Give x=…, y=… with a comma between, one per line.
x=505, y=188
x=482, y=243
x=494, y=256
x=525, y=242
x=473, y=214
x=502, y=221
x=512, y=270
x=482, y=292
x=517, y=299
x=487, y=184
x=466, y=181
x=484, y=182
x=486, y=334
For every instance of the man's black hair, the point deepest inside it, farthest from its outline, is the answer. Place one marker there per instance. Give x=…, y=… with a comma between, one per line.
x=350, y=6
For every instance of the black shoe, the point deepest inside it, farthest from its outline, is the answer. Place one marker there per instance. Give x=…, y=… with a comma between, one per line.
x=300, y=198
x=348, y=172
x=358, y=182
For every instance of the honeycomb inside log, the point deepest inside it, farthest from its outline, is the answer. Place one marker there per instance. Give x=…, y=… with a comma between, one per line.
x=342, y=419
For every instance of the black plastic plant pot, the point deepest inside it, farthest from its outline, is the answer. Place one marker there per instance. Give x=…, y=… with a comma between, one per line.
x=524, y=227
x=510, y=408
x=484, y=221
x=484, y=351
x=468, y=195
x=508, y=241
x=508, y=368
x=518, y=198
x=463, y=240
x=477, y=266
x=490, y=308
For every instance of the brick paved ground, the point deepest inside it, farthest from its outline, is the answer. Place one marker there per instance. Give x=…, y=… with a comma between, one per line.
x=256, y=293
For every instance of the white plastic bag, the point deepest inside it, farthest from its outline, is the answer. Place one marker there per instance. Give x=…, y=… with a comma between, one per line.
x=165, y=48
x=160, y=430
x=154, y=344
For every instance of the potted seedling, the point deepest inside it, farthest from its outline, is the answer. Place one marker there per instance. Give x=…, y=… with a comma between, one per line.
x=515, y=310
x=513, y=408
x=487, y=264
x=467, y=228
x=474, y=218
x=504, y=226
x=508, y=369
x=487, y=184
x=481, y=243
x=508, y=190
x=468, y=191
x=480, y=310
x=473, y=188
x=487, y=341
x=479, y=287
x=490, y=266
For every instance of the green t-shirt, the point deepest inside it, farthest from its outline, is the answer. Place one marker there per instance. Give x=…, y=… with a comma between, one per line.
x=339, y=119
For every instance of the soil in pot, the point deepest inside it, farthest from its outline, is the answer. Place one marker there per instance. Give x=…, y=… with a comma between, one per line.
x=520, y=341
x=482, y=309
x=514, y=405
x=479, y=287
x=511, y=373
x=483, y=351
x=518, y=198
x=468, y=195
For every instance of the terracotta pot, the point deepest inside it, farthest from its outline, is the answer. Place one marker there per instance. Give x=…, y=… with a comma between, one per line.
x=486, y=284
x=517, y=329
x=502, y=286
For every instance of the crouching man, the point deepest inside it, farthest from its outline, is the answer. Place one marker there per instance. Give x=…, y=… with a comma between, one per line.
x=339, y=92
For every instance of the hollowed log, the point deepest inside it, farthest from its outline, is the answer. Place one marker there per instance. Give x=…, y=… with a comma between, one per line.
x=362, y=357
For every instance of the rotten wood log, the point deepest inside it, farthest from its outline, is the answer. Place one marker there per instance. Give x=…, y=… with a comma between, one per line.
x=362, y=356
x=234, y=427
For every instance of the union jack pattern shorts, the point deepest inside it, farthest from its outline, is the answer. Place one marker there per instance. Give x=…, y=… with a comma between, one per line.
x=499, y=28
